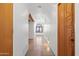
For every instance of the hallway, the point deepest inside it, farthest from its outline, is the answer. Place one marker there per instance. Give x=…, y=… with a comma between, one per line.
x=39, y=47
x=38, y=29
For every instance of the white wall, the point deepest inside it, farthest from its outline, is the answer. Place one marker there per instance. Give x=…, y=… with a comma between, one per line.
x=53, y=33
x=20, y=29
x=77, y=29
x=50, y=26
x=31, y=30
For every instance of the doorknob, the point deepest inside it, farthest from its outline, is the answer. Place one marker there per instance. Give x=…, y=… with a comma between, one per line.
x=72, y=39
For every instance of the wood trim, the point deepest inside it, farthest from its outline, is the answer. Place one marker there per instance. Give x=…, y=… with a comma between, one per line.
x=59, y=4
x=73, y=24
x=31, y=18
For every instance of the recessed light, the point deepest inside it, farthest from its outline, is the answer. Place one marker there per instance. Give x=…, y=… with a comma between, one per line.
x=39, y=6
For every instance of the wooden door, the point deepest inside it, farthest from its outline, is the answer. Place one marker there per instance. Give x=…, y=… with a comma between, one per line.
x=6, y=37
x=66, y=37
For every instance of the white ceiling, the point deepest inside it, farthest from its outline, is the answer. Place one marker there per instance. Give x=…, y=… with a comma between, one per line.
x=44, y=13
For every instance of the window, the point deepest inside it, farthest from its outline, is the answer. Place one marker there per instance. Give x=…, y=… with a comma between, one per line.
x=39, y=28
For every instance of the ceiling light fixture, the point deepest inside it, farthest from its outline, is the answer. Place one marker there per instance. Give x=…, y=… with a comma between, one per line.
x=39, y=6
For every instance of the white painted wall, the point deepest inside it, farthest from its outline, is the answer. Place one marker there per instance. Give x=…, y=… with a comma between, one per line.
x=77, y=29
x=47, y=33
x=31, y=30
x=20, y=29
x=53, y=32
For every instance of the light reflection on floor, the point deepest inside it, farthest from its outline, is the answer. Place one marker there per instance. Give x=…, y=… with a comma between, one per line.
x=39, y=47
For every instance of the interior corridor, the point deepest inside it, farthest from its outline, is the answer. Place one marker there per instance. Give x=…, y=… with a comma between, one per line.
x=38, y=29
x=39, y=47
